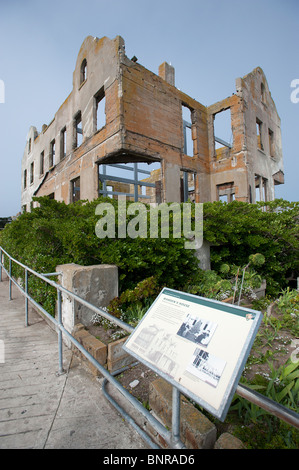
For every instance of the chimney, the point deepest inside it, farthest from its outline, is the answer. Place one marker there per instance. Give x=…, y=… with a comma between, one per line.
x=166, y=72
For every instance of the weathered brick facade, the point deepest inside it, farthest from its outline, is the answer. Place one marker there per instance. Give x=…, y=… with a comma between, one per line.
x=142, y=122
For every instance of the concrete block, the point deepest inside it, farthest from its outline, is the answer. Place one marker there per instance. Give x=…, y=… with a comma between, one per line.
x=97, y=284
x=197, y=431
x=228, y=441
x=260, y=292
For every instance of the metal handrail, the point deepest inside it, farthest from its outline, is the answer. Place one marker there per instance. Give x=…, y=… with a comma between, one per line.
x=161, y=430
x=171, y=437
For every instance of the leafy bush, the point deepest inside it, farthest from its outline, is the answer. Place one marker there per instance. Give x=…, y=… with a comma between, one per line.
x=226, y=283
x=56, y=233
x=238, y=229
x=132, y=302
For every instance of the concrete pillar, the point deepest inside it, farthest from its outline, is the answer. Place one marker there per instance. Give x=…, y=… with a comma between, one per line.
x=172, y=182
x=203, y=256
x=96, y=284
x=166, y=71
x=261, y=189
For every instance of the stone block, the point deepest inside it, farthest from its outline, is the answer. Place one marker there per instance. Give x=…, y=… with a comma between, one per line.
x=96, y=348
x=197, y=431
x=228, y=441
x=93, y=346
x=117, y=358
x=80, y=335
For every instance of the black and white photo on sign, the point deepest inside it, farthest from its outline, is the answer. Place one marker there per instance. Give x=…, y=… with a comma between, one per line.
x=206, y=367
x=196, y=329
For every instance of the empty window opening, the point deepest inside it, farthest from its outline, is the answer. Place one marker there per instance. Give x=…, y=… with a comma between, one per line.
x=63, y=144
x=29, y=146
x=271, y=143
x=78, y=130
x=25, y=179
x=187, y=131
x=223, y=198
x=83, y=71
x=31, y=172
x=223, y=135
x=187, y=186
x=52, y=154
x=150, y=177
x=42, y=163
x=136, y=181
x=100, y=116
x=75, y=189
x=259, y=134
x=51, y=196
x=261, y=188
x=226, y=192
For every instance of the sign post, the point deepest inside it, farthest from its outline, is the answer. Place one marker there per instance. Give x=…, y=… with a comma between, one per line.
x=199, y=346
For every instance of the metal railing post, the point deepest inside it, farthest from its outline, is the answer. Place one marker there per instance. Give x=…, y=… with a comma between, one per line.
x=176, y=419
x=26, y=298
x=60, y=371
x=9, y=278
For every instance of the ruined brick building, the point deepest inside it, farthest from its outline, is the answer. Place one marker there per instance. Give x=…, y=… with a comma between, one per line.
x=120, y=112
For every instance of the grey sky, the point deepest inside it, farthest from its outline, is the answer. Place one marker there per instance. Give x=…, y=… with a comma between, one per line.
x=210, y=44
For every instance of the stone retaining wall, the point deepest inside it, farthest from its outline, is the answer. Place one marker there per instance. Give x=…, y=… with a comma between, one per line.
x=111, y=355
x=197, y=431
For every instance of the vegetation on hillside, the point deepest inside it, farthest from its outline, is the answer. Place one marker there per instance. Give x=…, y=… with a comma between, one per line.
x=248, y=241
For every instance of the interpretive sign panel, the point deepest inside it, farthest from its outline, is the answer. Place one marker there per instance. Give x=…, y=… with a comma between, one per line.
x=198, y=345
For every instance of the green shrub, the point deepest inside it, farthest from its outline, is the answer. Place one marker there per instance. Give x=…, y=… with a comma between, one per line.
x=238, y=229
x=56, y=233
